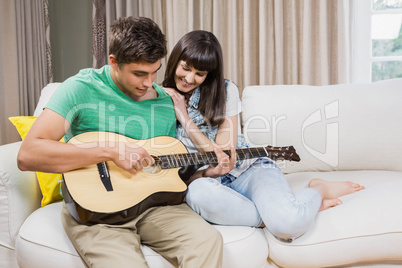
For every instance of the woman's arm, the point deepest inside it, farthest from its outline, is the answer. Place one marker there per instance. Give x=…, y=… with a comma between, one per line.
x=227, y=131
x=225, y=138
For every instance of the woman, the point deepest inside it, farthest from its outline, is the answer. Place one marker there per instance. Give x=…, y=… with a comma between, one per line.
x=254, y=193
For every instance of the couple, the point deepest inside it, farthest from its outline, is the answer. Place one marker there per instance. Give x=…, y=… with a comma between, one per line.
x=253, y=193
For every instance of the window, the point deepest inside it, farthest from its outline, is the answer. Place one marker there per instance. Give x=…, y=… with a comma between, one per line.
x=378, y=40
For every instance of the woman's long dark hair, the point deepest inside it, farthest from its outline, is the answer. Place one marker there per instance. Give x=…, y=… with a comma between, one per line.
x=202, y=51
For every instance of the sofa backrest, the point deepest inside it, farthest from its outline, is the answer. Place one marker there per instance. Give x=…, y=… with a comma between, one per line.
x=45, y=95
x=335, y=127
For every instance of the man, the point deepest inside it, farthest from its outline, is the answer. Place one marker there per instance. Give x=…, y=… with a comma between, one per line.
x=122, y=98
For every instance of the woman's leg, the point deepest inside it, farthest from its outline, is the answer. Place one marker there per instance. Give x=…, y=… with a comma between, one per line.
x=286, y=215
x=220, y=204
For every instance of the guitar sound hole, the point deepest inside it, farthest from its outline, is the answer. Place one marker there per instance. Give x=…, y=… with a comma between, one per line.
x=152, y=169
x=155, y=168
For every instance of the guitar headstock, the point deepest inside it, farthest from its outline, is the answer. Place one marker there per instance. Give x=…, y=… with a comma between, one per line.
x=283, y=153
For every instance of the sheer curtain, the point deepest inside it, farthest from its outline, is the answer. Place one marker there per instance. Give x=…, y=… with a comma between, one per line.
x=107, y=11
x=264, y=42
x=26, y=61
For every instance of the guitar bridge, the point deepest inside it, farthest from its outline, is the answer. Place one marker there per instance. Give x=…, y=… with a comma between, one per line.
x=105, y=176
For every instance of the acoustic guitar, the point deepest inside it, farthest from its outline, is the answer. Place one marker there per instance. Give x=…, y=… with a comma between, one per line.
x=105, y=193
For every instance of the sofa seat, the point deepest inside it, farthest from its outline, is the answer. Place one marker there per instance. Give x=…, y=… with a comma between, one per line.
x=354, y=232
x=42, y=234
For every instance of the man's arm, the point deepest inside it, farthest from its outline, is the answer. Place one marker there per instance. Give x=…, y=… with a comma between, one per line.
x=42, y=151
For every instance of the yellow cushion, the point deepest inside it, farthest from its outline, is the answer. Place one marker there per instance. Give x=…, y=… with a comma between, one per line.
x=23, y=124
x=49, y=183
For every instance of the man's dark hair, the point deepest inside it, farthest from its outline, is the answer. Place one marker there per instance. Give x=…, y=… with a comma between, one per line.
x=136, y=40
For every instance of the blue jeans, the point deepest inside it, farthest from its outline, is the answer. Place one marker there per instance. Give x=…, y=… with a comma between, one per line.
x=260, y=194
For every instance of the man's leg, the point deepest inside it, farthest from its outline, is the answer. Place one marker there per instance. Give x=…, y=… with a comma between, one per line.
x=181, y=236
x=104, y=245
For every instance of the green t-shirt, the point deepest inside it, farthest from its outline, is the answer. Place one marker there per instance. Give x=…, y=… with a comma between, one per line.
x=91, y=101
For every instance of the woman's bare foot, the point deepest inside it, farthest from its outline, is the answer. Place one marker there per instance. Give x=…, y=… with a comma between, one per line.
x=329, y=203
x=330, y=191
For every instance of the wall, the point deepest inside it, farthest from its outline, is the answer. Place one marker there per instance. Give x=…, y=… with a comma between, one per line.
x=70, y=36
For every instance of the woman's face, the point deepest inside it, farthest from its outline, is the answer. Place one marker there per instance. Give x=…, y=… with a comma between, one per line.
x=187, y=78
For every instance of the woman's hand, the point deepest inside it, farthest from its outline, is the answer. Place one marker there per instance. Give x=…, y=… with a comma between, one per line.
x=179, y=105
x=225, y=164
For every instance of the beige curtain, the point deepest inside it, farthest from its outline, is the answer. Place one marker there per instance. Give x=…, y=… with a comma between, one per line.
x=264, y=41
x=26, y=66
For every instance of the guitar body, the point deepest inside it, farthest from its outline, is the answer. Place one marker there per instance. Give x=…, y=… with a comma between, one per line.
x=90, y=202
x=105, y=193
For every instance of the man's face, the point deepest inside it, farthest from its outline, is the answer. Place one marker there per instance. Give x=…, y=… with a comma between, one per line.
x=134, y=79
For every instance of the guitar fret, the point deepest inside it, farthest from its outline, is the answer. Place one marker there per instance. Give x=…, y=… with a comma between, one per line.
x=200, y=158
x=179, y=160
x=196, y=158
x=214, y=158
x=185, y=160
x=244, y=154
x=248, y=152
x=203, y=157
x=259, y=152
x=168, y=161
x=191, y=160
x=241, y=154
x=172, y=160
x=210, y=157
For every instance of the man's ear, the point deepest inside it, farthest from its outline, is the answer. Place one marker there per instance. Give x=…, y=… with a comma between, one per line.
x=113, y=62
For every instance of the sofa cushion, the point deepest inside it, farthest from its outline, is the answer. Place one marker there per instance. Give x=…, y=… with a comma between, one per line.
x=42, y=242
x=366, y=227
x=336, y=127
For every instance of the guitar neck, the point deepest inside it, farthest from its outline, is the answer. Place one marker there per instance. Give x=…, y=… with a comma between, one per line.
x=207, y=158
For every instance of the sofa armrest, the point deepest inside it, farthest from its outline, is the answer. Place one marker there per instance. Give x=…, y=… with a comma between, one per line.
x=20, y=194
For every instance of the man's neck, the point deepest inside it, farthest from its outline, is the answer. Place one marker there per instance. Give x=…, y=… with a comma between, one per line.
x=151, y=94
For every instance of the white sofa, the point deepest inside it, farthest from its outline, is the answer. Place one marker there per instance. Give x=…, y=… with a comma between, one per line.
x=341, y=132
